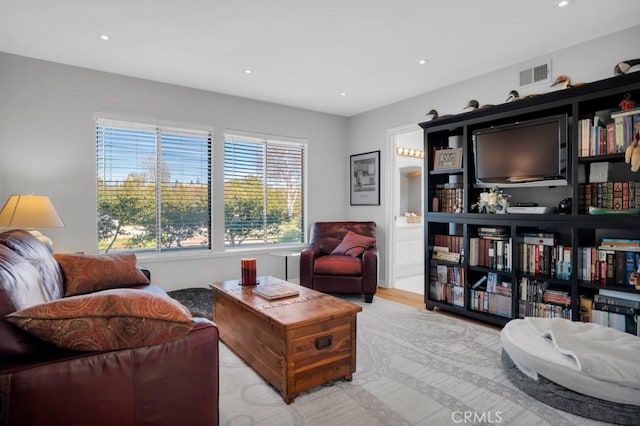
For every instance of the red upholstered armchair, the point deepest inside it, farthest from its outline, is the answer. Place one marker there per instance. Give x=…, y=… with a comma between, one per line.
x=342, y=258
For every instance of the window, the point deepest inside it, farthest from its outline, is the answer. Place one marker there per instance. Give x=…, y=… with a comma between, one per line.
x=154, y=186
x=264, y=191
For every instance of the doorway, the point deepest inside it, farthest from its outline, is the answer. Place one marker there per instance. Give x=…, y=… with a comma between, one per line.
x=406, y=254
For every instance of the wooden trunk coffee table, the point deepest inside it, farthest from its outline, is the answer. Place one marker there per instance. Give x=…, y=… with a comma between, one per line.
x=295, y=343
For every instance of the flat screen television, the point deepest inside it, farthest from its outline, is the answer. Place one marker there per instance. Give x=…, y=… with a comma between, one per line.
x=524, y=153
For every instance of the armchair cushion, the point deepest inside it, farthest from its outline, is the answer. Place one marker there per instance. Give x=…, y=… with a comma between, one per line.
x=354, y=244
x=338, y=265
x=106, y=320
x=87, y=274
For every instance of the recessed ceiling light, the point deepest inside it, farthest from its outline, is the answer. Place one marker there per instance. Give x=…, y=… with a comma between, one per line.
x=563, y=3
x=422, y=61
x=103, y=37
x=248, y=71
x=343, y=93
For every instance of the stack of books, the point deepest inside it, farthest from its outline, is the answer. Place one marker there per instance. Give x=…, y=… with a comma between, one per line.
x=621, y=314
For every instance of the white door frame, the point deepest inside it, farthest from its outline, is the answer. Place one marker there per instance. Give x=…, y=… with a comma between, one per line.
x=393, y=198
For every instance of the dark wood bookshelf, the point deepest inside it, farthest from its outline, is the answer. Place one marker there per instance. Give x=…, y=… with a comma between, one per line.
x=577, y=229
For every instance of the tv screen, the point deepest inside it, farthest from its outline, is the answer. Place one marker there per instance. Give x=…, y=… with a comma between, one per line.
x=525, y=153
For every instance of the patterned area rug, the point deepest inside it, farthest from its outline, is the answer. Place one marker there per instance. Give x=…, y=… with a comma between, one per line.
x=414, y=367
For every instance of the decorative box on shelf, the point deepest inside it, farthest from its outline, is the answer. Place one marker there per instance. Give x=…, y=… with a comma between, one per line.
x=414, y=219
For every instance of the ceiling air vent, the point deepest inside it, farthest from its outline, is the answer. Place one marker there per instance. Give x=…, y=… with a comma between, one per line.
x=535, y=74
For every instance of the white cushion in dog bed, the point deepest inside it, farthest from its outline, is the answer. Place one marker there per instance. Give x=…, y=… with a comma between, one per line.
x=535, y=354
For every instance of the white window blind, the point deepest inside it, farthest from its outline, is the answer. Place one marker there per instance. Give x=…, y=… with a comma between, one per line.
x=264, y=191
x=154, y=186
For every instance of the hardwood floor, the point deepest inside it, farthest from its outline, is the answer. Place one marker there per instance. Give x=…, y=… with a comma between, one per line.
x=401, y=296
x=417, y=301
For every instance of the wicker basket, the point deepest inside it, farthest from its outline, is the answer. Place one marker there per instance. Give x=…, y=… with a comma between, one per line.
x=414, y=219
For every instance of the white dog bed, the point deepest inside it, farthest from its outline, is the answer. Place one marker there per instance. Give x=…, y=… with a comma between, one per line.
x=600, y=363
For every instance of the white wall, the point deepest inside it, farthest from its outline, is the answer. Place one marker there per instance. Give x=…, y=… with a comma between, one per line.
x=590, y=61
x=47, y=146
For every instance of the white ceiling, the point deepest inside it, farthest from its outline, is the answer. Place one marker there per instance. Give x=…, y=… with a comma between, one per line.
x=304, y=53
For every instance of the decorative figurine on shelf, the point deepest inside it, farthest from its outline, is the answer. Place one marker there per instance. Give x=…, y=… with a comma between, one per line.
x=474, y=105
x=564, y=81
x=494, y=201
x=513, y=96
x=627, y=102
x=434, y=114
x=564, y=206
x=626, y=67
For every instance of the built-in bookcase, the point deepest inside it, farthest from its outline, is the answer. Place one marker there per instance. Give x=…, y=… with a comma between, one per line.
x=504, y=266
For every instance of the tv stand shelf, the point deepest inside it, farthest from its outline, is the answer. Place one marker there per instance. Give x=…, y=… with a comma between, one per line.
x=570, y=236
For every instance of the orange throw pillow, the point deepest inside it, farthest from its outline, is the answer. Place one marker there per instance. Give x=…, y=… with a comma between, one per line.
x=354, y=244
x=107, y=320
x=87, y=274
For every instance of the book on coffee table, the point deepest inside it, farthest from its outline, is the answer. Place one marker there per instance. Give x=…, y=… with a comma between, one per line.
x=276, y=290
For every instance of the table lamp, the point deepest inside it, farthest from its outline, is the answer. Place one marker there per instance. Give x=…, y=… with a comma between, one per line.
x=30, y=211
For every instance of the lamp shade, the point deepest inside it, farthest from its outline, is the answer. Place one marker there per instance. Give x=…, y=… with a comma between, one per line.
x=29, y=211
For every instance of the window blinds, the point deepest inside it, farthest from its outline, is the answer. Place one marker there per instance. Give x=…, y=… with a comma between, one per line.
x=154, y=186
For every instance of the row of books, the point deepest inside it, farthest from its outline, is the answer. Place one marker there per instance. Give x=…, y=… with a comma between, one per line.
x=537, y=300
x=450, y=274
x=454, y=243
x=494, y=298
x=619, y=195
x=492, y=303
x=448, y=198
x=607, y=133
x=446, y=284
x=608, y=265
x=446, y=292
x=621, y=314
x=549, y=260
x=491, y=253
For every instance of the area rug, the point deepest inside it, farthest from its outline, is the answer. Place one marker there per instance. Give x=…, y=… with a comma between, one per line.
x=414, y=367
x=199, y=301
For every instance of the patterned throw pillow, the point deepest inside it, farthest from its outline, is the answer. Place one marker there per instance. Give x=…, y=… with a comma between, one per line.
x=354, y=244
x=85, y=274
x=107, y=320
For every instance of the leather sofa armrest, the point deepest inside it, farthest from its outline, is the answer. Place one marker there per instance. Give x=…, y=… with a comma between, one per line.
x=370, y=270
x=307, y=257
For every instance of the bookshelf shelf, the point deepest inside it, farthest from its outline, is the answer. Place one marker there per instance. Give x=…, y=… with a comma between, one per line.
x=575, y=230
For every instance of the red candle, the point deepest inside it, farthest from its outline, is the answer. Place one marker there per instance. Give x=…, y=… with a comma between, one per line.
x=248, y=270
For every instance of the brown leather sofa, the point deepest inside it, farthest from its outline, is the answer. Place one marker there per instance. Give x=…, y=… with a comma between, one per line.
x=171, y=383
x=337, y=273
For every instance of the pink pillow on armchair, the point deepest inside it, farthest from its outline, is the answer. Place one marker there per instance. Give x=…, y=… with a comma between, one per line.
x=354, y=244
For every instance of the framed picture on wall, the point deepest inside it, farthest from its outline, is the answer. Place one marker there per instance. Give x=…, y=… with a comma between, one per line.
x=365, y=179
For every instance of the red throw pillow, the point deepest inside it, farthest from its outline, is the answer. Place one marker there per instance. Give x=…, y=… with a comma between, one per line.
x=107, y=320
x=86, y=274
x=354, y=244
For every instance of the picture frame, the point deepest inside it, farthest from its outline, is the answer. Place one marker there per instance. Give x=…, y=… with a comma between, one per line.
x=447, y=159
x=365, y=179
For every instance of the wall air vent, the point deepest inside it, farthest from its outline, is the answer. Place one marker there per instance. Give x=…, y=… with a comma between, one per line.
x=534, y=75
